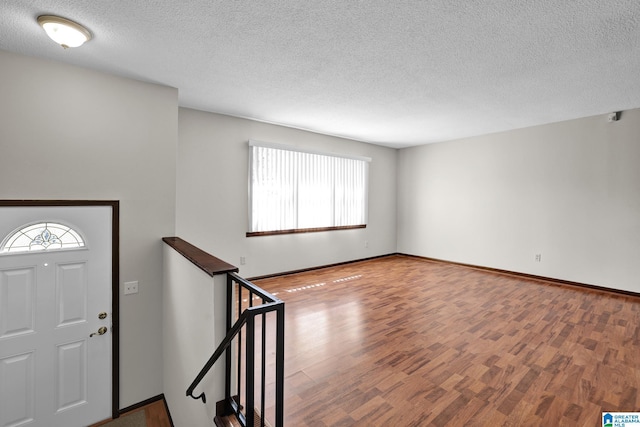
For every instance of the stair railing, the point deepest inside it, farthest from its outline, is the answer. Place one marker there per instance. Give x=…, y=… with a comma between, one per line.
x=243, y=381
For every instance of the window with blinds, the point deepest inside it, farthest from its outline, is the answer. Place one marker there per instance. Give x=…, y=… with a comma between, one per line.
x=293, y=190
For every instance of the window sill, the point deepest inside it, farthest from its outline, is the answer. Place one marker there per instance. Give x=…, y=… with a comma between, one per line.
x=303, y=230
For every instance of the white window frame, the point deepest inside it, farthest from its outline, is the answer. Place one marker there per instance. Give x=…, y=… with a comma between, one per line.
x=361, y=165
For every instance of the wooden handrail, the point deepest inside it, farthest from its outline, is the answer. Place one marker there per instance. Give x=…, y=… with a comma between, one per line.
x=201, y=259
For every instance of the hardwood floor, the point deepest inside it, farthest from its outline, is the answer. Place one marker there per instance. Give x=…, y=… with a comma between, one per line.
x=155, y=415
x=401, y=341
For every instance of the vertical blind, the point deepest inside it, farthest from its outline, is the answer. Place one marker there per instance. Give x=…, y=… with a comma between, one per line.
x=290, y=189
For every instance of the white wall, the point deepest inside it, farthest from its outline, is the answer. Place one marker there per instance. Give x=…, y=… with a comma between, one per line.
x=194, y=324
x=71, y=133
x=212, y=197
x=569, y=191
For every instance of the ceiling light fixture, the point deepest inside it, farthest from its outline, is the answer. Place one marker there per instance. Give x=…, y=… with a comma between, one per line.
x=63, y=31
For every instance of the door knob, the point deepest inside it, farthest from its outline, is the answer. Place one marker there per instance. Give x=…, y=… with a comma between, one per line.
x=102, y=315
x=101, y=331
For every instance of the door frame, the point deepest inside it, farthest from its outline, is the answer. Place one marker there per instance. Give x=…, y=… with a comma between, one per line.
x=115, y=279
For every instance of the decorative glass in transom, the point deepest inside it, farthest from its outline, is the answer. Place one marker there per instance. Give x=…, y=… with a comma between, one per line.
x=43, y=236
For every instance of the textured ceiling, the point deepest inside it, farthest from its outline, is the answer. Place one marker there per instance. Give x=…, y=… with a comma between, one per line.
x=396, y=73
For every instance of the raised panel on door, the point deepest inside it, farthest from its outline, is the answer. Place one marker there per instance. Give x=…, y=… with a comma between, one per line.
x=71, y=293
x=17, y=301
x=17, y=390
x=71, y=375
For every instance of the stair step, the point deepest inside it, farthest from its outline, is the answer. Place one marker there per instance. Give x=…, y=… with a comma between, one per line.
x=227, y=421
x=232, y=421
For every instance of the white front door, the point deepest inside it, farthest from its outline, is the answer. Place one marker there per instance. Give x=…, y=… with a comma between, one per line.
x=53, y=373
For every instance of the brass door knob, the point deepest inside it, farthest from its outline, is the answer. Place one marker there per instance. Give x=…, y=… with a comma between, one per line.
x=101, y=331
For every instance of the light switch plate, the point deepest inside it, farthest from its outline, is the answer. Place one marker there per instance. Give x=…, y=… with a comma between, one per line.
x=130, y=288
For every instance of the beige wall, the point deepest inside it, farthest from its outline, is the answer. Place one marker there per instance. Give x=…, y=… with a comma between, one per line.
x=212, y=196
x=71, y=133
x=191, y=298
x=569, y=191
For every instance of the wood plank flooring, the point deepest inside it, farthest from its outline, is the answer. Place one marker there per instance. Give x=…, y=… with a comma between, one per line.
x=401, y=341
x=155, y=415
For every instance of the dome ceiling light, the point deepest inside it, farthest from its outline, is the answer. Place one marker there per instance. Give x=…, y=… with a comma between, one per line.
x=63, y=31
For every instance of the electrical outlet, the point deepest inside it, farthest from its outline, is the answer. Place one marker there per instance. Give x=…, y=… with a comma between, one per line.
x=243, y=260
x=130, y=287
x=538, y=257
x=366, y=243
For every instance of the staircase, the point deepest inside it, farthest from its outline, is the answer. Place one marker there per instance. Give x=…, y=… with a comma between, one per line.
x=254, y=358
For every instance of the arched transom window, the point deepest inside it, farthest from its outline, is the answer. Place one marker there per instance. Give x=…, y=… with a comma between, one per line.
x=43, y=236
